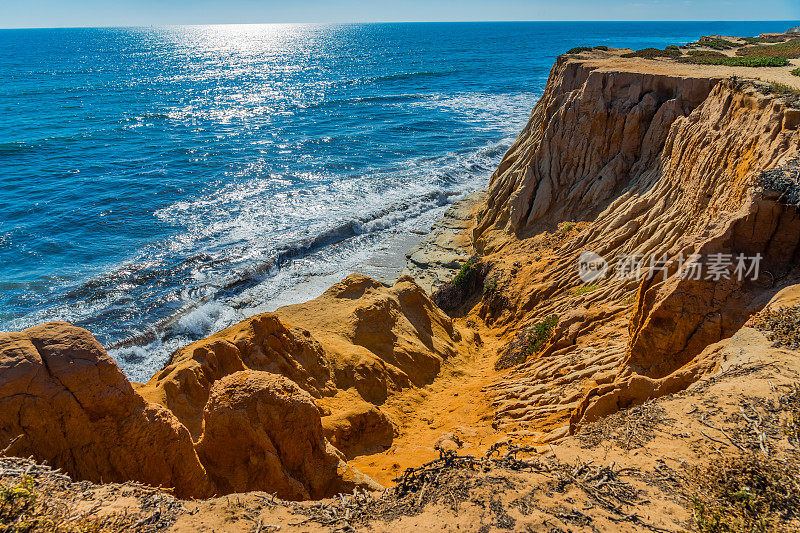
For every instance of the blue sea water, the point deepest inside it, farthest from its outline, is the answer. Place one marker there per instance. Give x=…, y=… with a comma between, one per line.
x=160, y=184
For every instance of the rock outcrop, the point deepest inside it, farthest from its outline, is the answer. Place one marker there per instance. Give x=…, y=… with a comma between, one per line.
x=378, y=339
x=647, y=170
x=361, y=430
x=63, y=400
x=358, y=335
x=262, y=342
x=263, y=432
x=236, y=411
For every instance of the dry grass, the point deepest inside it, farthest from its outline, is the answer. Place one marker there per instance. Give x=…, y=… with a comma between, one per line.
x=37, y=499
x=782, y=326
x=630, y=428
x=745, y=493
x=25, y=508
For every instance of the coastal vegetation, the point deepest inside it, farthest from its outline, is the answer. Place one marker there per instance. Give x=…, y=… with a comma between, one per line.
x=565, y=227
x=531, y=342
x=580, y=291
x=789, y=50
x=796, y=72
x=761, y=40
x=714, y=42
x=749, y=61
x=24, y=508
x=653, y=53
x=745, y=493
x=464, y=275
x=781, y=89
x=539, y=334
x=705, y=53
x=579, y=49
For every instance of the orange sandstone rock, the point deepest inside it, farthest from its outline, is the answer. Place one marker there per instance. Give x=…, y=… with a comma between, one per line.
x=262, y=342
x=629, y=158
x=361, y=430
x=63, y=400
x=263, y=432
x=378, y=339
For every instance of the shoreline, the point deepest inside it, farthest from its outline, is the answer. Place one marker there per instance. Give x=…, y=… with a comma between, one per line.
x=438, y=257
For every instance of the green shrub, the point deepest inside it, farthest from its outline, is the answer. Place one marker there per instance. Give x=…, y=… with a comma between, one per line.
x=539, y=334
x=584, y=290
x=716, y=43
x=760, y=40
x=530, y=342
x=565, y=227
x=788, y=50
x=465, y=274
x=796, y=72
x=782, y=89
x=752, y=61
x=652, y=53
x=579, y=49
x=603, y=48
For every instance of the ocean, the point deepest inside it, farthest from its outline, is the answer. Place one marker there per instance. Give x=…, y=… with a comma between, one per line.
x=160, y=184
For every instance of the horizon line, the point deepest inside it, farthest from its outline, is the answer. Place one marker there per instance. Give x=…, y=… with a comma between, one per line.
x=112, y=26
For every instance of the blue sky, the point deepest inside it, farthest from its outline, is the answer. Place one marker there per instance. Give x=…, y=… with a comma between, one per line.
x=55, y=13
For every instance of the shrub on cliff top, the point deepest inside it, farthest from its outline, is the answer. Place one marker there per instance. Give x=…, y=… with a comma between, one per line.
x=714, y=42
x=796, y=72
x=782, y=89
x=761, y=40
x=579, y=49
x=751, y=61
x=789, y=50
x=652, y=53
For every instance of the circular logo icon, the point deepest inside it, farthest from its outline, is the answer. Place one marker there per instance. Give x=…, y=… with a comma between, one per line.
x=591, y=267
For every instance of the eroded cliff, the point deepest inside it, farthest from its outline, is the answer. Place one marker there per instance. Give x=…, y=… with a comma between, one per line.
x=660, y=175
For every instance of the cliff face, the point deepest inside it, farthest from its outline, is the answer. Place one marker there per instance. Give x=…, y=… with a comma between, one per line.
x=592, y=135
x=633, y=167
